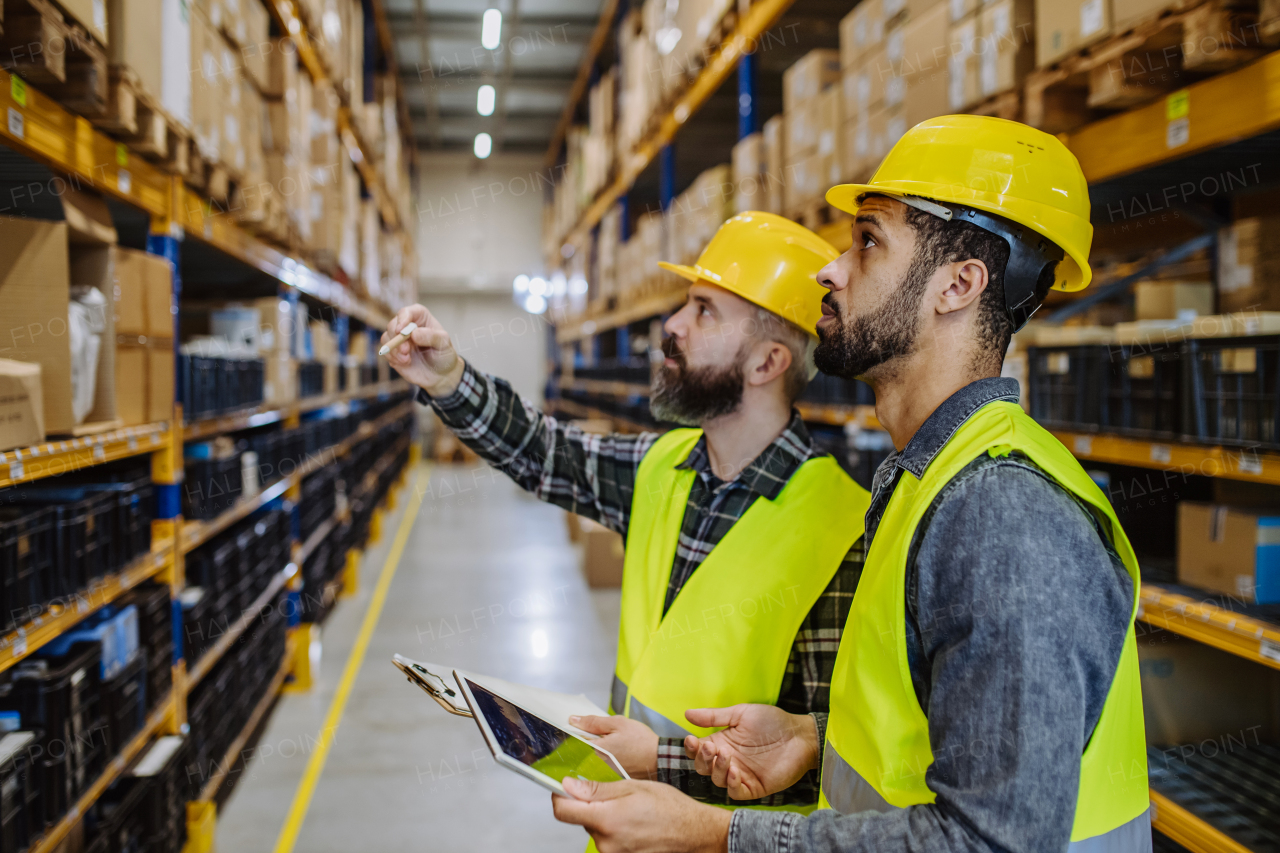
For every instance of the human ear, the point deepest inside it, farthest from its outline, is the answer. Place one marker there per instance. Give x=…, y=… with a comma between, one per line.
x=966, y=282
x=769, y=362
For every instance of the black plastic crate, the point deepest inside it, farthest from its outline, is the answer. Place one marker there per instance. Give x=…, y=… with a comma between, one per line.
x=125, y=703
x=163, y=808
x=310, y=379
x=1232, y=391
x=1233, y=790
x=87, y=532
x=21, y=811
x=212, y=486
x=62, y=697
x=1141, y=390
x=155, y=636
x=28, y=562
x=1066, y=385
x=197, y=622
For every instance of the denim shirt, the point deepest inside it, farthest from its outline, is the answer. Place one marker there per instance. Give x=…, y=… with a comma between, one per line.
x=1017, y=608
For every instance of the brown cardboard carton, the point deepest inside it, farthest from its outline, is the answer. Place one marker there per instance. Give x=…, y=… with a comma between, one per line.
x=602, y=555
x=962, y=64
x=35, y=280
x=1195, y=694
x=827, y=119
x=812, y=73
x=131, y=385
x=961, y=9
x=749, y=187
x=92, y=15
x=1008, y=45
x=207, y=84
x=134, y=27
x=160, y=381
x=21, y=406
x=143, y=285
x=1126, y=13
x=281, y=379
x=1249, y=265
x=774, y=162
x=1232, y=551
x=923, y=72
x=1172, y=300
x=1064, y=27
x=802, y=129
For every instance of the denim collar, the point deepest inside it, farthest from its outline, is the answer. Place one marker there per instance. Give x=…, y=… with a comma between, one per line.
x=938, y=428
x=768, y=472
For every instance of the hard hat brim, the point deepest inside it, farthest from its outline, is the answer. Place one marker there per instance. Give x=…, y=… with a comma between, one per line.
x=1074, y=271
x=692, y=272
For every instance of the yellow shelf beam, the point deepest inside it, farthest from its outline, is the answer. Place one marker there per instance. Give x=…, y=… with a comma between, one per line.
x=577, y=410
x=31, y=636
x=54, y=458
x=1223, y=109
x=53, y=839
x=837, y=415
x=1188, y=459
x=233, y=632
x=1235, y=633
x=720, y=64
x=1188, y=830
x=605, y=386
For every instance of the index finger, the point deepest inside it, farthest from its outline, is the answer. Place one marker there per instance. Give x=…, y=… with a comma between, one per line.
x=408, y=314
x=569, y=810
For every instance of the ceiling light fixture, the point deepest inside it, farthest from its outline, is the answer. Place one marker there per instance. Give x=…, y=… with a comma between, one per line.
x=485, y=98
x=491, y=29
x=484, y=145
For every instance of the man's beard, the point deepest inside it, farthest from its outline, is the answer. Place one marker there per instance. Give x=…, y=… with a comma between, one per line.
x=850, y=349
x=690, y=396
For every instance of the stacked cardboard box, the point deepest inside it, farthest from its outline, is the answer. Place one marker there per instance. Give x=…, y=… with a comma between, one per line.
x=1064, y=28
x=605, y=273
x=750, y=184
x=639, y=77
x=811, y=106
x=143, y=321
x=697, y=213
x=598, y=147
x=1249, y=265
x=775, y=143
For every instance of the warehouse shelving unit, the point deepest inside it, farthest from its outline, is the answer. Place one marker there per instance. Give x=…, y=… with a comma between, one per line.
x=39, y=129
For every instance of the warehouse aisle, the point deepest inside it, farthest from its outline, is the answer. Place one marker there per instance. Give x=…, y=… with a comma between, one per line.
x=488, y=581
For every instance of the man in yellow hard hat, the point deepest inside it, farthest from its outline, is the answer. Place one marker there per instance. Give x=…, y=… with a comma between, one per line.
x=743, y=540
x=986, y=694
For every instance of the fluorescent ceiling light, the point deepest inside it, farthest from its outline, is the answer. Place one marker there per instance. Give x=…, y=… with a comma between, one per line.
x=484, y=145
x=521, y=284
x=491, y=29
x=535, y=304
x=485, y=97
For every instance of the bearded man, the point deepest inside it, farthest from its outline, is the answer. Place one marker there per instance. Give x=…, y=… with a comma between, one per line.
x=743, y=541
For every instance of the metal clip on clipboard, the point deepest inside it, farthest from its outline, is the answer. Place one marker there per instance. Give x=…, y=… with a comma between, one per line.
x=434, y=685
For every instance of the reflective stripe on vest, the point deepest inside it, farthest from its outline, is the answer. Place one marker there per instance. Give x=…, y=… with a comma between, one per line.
x=728, y=635
x=878, y=735
x=848, y=793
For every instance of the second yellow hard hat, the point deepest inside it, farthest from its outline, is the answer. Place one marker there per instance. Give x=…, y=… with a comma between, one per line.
x=997, y=166
x=768, y=260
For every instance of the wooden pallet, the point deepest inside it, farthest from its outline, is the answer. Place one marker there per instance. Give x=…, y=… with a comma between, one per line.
x=1155, y=57
x=57, y=55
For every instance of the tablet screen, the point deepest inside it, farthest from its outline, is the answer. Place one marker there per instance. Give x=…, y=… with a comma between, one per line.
x=542, y=746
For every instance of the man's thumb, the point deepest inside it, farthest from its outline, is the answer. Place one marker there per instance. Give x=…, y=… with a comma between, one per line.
x=594, y=724
x=711, y=718
x=588, y=790
x=437, y=339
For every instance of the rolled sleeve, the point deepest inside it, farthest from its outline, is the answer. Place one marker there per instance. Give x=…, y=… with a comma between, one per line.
x=752, y=831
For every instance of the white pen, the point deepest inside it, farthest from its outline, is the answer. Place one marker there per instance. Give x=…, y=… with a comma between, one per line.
x=398, y=339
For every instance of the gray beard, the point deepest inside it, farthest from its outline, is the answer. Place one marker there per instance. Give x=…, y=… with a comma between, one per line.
x=692, y=397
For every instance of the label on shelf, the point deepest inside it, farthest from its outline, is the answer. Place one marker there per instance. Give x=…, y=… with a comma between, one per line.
x=20, y=646
x=1161, y=453
x=1178, y=133
x=124, y=181
x=1250, y=464
x=1083, y=444
x=17, y=127
x=18, y=90
x=15, y=470
x=1270, y=650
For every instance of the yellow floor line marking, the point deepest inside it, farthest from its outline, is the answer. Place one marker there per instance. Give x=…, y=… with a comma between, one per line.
x=311, y=776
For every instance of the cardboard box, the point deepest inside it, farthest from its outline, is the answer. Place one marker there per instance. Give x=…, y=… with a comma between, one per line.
x=92, y=15
x=806, y=79
x=281, y=379
x=136, y=28
x=131, y=385
x=206, y=85
x=961, y=9
x=160, y=382
x=1007, y=44
x=774, y=161
x=963, y=88
x=749, y=187
x=827, y=119
x=175, y=53
x=1172, y=300
x=143, y=294
x=861, y=33
x=1193, y=693
x=602, y=555
x=1229, y=550
x=1249, y=265
x=922, y=77
x=21, y=404
x=1065, y=27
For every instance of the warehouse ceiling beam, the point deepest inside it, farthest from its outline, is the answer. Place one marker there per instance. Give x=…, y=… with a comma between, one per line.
x=604, y=28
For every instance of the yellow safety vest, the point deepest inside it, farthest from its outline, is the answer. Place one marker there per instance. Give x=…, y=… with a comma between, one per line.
x=877, y=748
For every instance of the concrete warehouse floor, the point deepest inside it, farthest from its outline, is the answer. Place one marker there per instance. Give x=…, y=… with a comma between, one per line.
x=488, y=581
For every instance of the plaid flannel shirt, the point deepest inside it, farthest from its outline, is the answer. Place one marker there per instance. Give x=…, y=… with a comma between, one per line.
x=594, y=475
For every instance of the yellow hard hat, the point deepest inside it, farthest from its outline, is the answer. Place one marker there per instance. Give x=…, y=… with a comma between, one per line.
x=994, y=165
x=768, y=260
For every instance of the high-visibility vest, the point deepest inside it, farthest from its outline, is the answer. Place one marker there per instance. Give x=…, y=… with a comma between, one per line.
x=877, y=747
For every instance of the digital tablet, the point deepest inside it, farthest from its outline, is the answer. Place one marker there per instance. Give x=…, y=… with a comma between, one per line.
x=533, y=747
